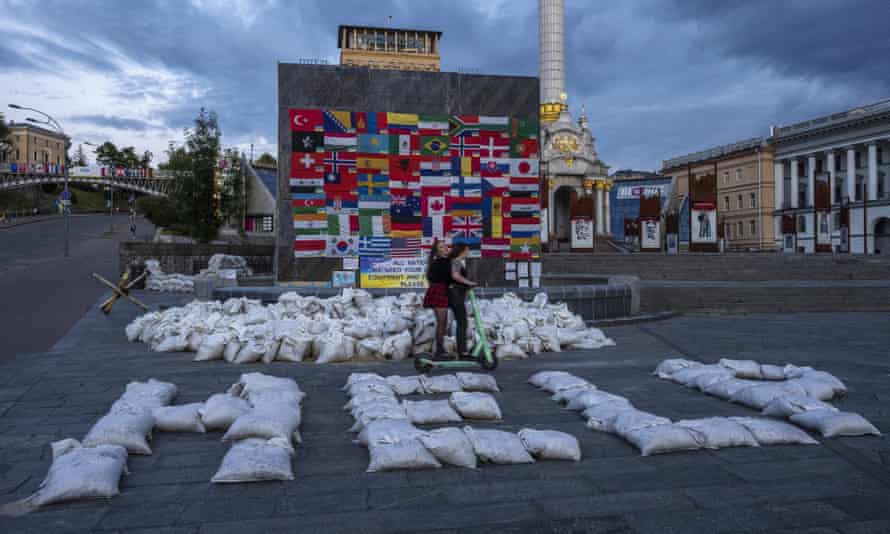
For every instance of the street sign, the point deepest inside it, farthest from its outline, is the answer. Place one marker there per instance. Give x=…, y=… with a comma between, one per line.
x=66, y=195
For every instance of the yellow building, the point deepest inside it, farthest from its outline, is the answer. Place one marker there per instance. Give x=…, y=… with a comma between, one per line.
x=33, y=146
x=389, y=48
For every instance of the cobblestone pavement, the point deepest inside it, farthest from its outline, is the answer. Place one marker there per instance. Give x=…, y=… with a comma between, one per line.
x=840, y=486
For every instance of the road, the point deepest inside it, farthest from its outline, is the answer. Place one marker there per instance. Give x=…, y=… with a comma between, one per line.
x=43, y=293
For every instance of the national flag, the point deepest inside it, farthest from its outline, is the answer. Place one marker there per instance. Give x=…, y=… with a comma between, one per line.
x=311, y=222
x=339, y=246
x=466, y=166
x=316, y=202
x=466, y=186
x=492, y=215
x=344, y=180
x=494, y=167
x=341, y=202
x=435, y=166
x=495, y=186
x=373, y=184
x=434, y=226
x=401, y=166
x=373, y=164
x=404, y=144
x=521, y=248
x=374, y=246
x=379, y=204
x=494, y=145
x=307, y=141
x=463, y=206
x=435, y=145
x=495, y=247
x=373, y=143
x=340, y=141
x=405, y=208
x=337, y=161
x=465, y=145
x=523, y=148
x=432, y=124
x=433, y=205
x=464, y=227
x=298, y=192
x=494, y=124
x=522, y=207
x=522, y=226
x=301, y=183
x=306, y=120
x=307, y=165
x=407, y=229
x=337, y=121
x=406, y=247
x=342, y=224
x=524, y=128
x=429, y=184
x=369, y=122
x=309, y=245
x=463, y=125
x=401, y=122
x=524, y=186
x=524, y=167
x=409, y=184
x=374, y=225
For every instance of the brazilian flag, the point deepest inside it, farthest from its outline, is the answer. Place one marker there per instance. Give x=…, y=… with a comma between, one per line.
x=435, y=145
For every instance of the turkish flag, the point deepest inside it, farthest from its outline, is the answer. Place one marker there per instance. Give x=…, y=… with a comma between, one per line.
x=308, y=203
x=306, y=120
x=307, y=164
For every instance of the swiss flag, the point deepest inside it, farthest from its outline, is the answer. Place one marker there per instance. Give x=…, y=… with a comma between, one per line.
x=306, y=120
x=306, y=164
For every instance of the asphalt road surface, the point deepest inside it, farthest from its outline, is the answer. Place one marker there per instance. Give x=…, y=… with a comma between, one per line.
x=43, y=293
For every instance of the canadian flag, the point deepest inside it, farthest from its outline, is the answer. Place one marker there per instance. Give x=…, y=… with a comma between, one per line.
x=433, y=205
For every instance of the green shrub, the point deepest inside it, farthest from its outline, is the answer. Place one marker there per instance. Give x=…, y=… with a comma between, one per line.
x=161, y=211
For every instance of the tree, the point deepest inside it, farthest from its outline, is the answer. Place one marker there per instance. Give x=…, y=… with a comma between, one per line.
x=80, y=158
x=234, y=190
x=5, y=143
x=128, y=157
x=108, y=154
x=266, y=160
x=196, y=200
x=145, y=161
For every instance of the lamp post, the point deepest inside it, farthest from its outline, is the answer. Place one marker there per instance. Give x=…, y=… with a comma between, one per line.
x=66, y=195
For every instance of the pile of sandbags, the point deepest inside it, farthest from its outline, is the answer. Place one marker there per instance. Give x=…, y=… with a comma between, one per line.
x=652, y=434
x=792, y=392
x=387, y=428
x=352, y=326
x=227, y=262
x=262, y=415
x=158, y=280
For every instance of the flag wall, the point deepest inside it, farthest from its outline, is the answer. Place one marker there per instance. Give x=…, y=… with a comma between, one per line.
x=386, y=184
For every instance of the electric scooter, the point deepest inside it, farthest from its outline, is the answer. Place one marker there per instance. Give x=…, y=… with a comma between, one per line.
x=481, y=355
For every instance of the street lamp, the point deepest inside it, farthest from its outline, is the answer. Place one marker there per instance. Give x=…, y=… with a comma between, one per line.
x=66, y=194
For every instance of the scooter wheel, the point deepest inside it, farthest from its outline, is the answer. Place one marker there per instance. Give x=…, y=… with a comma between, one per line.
x=421, y=366
x=489, y=365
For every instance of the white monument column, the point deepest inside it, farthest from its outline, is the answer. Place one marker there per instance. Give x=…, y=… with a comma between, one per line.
x=851, y=173
x=607, y=209
x=795, y=183
x=832, y=176
x=779, y=197
x=599, y=208
x=551, y=67
x=872, y=171
x=811, y=181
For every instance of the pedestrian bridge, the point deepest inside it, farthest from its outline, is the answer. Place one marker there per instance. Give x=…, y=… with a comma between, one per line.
x=161, y=183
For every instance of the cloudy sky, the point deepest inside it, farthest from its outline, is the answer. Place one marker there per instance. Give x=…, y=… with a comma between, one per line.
x=659, y=78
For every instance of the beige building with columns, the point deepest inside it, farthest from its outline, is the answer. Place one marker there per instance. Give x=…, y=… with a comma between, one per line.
x=34, y=147
x=389, y=48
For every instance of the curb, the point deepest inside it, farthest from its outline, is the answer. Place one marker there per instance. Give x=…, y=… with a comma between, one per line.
x=634, y=319
x=32, y=221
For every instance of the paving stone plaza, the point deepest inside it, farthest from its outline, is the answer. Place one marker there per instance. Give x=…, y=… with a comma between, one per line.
x=840, y=485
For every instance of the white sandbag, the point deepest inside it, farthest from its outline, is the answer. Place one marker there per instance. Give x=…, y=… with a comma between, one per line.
x=816, y=389
x=182, y=418
x=720, y=432
x=172, y=343
x=194, y=341
x=258, y=397
x=405, y=385
x=255, y=460
x=271, y=350
x=566, y=395
x=541, y=377
x=233, y=346
x=367, y=398
x=212, y=348
x=834, y=423
x=688, y=376
x=221, y=410
x=430, y=412
x=477, y=382
x=559, y=383
x=664, y=439
x=474, y=405
x=549, y=336
x=498, y=447
x=440, y=384
x=793, y=371
x=248, y=382
x=627, y=421
x=706, y=380
x=670, y=366
x=508, y=351
x=406, y=454
x=397, y=347
x=370, y=386
x=772, y=372
x=550, y=444
x=79, y=472
x=250, y=352
x=388, y=431
x=742, y=368
x=450, y=446
x=725, y=389
x=134, y=328
x=333, y=347
x=788, y=405
x=127, y=425
x=840, y=389
x=266, y=422
x=759, y=396
x=149, y=394
x=600, y=416
x=294, y=348
x=771, y=432
x=588, y=398
x=376, y=413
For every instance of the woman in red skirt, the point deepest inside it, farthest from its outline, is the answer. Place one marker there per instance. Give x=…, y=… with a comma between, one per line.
x=438, y=274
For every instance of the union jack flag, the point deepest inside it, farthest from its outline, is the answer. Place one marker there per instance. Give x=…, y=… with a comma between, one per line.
x=465, y=227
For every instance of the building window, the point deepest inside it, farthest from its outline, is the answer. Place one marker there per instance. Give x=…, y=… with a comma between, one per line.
x=35, y=155
x=738, y=175
x=726, y=203
x=801, y=224
x=725, y=177
x=741, y=204
x=753, y=228
x=858, y=160
x=753, y=200
x=836, y=216
x=741, y=229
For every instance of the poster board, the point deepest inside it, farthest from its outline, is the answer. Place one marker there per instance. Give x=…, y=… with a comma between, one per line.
x=650, y=235
x=703, y=222
x=582, y=233
x=343, y=278
x=381, y=272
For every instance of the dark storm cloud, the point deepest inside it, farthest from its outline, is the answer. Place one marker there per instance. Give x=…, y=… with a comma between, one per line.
x=658, y=78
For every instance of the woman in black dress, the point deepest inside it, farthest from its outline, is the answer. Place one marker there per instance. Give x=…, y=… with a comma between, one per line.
x=438, y=274
x=457, y=294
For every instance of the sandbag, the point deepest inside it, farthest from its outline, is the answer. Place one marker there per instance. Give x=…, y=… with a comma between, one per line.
x=474, y=405
x=834, y=423
x=509, y=350
x=549, y=336
x=252, y=351
x=817, y=389
x=600, y=416
x=688, y=376
x=127, y=425
x=498, y=447
x=664, y=439
x=333, y=347
x=450, y=446
x=149, y=394
x=406, y=454
x=221, y=410
x=378, y=412
x=787, y=405
x=266, y=396
x=541, y=377
x=720, y=432
x=370, y=386
x=369, y=348
x=256, y=460
x=725, y=389
x=388, y=431
x=477, y=382
x=566, y=395
x=742, y=368
x=591, y=397
x=80, y=472
x=705, y=380
x=248, y=382
x=366, y=398
x=670, y=366
x=759, y=396
x=840, y=389
x=183, y=418
x=550, y=444
x=405, y=385
x=354, y=378
x=212, y=348
x=266, y=422
x=271, y=350
x=771, y=432
x=440, y=384
x=173, y=343
x=397, y=347
x=430, y=412
x=233, y=346
x=294, y=348
x=772, y=372
x=627, y=421
x=560, y=382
